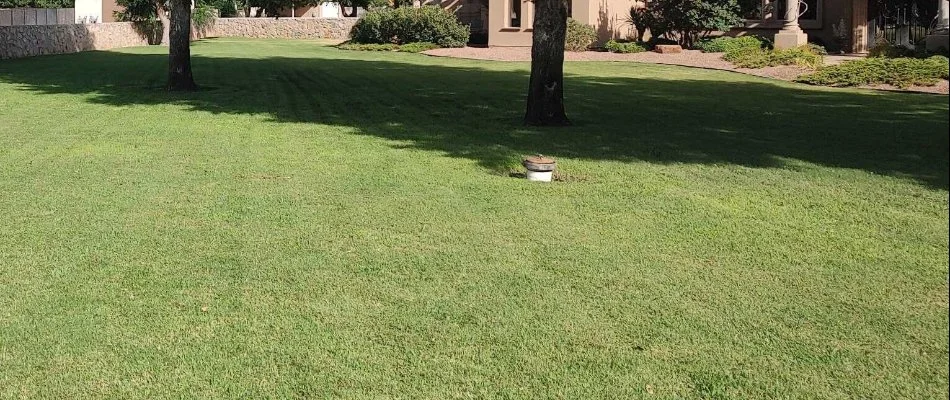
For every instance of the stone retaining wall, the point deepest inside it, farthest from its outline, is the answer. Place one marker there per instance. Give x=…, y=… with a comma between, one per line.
x=283, y=28
x=35, y=40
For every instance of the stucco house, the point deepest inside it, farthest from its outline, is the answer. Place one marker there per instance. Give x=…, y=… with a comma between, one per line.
x=851, y=25
x=508, y=22
x=94, y=11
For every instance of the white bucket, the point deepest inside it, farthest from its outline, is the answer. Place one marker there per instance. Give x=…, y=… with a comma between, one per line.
x=536, y=176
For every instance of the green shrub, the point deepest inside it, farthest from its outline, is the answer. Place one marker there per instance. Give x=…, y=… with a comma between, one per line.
x=642, y=19
x=368, y=46
x=226, y=8
x=818, y=49
x=407, y=25
x=203, y=16
x=725, y=44
x=614, y=46
x=746, y=57
x=369, y=28
x=687, y=21
x=417, y=47
x=136, y=11
x=883, y=48
x=579, y=36
x=900, y=72
x=749, y=57
x=802, y=56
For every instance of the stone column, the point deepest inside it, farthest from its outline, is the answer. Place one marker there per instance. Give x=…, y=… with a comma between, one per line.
x=943, y=16
x=791, y=34
x=938, y=39
x=859, y=26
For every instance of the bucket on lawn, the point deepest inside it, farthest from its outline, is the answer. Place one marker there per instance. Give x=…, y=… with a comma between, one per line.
x=540, y=168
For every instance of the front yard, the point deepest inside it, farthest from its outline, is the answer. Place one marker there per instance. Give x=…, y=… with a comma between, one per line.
x=326, y=223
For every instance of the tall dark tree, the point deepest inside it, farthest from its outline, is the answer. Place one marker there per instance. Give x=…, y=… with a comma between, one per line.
x=179, y=47
x=546, y=88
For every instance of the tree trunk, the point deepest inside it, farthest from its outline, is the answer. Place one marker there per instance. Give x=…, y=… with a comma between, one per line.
x=179, y=47
x=546, y=88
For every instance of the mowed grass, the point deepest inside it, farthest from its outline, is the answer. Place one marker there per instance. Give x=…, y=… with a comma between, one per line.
x=319, y=223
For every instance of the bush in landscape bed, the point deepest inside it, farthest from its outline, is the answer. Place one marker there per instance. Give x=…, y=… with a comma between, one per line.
x=429, y=24
x=368, y=46
x=417, y=47
x=203, y=17
x=750, y=57
x=725, y=44
x=900, y=72
x=817, y=49
x=802, y=56
x=883, y=48
x=614, y=46
x=579, y=36
x=685, y=21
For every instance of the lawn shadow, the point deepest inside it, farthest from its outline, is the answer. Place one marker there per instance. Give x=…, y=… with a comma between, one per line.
x=468, y=111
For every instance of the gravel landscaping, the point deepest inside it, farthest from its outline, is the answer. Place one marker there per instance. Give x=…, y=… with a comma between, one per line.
x=688, y=58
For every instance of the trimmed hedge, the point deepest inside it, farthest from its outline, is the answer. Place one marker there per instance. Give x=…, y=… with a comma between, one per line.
x=900, y=72
x=749, y=57
x=430, y=24
x=725, y=44
x=614, y=46
x=416, y=47
x=579, y=36
x=368, y=46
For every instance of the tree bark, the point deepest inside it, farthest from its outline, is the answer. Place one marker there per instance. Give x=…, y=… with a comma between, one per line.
x=179, y=47
x=546, y=87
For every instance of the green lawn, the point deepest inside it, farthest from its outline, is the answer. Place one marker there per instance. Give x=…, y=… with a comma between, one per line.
x=322, y=223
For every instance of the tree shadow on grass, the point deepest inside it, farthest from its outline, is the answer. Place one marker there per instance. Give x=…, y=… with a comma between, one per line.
x=470, y=111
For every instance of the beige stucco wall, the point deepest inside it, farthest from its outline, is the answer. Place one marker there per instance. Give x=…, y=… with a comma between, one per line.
x=499, y=34
x=108, y=10
x=35, y=40
x=608, y=17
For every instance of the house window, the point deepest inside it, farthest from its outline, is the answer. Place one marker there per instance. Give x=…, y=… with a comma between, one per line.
x=810, y=13
x=771, y=13
x=570, y=8
x=807, y=9
x=514, y=14
x=754, y=9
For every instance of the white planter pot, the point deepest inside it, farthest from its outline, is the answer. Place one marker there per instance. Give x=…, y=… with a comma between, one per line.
x=540, y=176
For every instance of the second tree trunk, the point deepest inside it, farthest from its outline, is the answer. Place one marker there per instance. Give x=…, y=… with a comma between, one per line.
x=546, y=87
x=179, y=47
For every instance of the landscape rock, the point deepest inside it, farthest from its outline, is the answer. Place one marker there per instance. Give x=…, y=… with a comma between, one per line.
x=668, y=48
